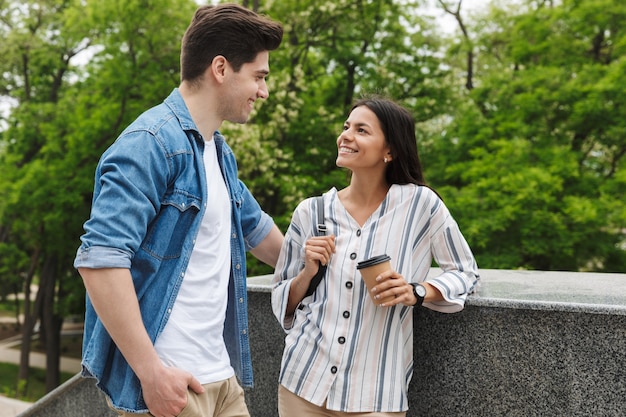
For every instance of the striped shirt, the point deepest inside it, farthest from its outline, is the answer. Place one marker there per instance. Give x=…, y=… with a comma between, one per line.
x=341, y=349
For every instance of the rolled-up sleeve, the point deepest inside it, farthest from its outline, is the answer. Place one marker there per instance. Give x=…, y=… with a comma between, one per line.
x=97, y=257
x=128, y=184
x=259, y=233
x=454, y=256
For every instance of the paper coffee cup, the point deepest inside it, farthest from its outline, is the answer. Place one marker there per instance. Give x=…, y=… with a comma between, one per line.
x=370, y=269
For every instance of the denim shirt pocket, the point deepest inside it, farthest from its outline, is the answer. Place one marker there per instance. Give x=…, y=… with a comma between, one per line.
x=172, y=224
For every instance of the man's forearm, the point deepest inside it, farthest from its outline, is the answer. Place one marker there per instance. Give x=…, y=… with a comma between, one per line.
x=113, y=296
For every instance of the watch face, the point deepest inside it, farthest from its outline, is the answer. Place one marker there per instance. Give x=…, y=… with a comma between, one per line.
x=420, y=290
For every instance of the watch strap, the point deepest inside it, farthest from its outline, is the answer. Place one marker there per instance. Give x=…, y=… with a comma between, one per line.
x=420, y=298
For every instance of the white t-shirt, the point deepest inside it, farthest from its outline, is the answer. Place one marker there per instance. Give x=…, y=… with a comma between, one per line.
x=192, y=339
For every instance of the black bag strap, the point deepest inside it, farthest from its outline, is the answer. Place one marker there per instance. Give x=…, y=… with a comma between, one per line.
x=320, y=228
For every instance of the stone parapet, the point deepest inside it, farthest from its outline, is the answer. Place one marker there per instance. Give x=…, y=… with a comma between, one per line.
x=528, y=343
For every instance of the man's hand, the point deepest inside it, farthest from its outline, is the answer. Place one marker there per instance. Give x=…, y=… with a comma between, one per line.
x=165, y=391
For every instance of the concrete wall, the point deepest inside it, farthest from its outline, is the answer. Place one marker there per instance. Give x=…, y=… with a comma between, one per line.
x=528, y=344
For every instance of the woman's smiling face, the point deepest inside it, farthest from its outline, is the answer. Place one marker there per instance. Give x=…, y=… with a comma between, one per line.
x=361, y=144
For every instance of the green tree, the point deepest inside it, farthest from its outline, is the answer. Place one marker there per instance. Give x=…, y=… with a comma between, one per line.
x=533, y=160
x=324, y=64
x=287, y=151
x=66, y=115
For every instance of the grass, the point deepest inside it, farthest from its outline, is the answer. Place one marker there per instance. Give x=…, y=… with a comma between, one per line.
x=36, y=382
x=7, y=308
x=36, y=388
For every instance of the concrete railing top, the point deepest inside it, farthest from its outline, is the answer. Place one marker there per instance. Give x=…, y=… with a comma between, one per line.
x=589, y=292
x=554, y=348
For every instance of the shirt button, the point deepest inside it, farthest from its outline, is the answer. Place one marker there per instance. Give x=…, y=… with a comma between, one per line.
x=349, y=284
x=341, y=340
x=234, y=235
x=241, y=300
x=244, y=331
x=333, y=370
x=237, y=266
x=353, y=256
x=346, y=314
x=358, y=232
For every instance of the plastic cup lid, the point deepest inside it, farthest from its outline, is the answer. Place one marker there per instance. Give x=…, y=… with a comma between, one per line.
x=375, y=260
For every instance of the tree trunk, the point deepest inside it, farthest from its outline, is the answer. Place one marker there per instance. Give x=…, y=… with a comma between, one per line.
x=18, y=308
x=51, y=323
x=30, y=319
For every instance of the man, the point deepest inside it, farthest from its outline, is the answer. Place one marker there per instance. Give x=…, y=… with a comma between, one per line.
x=163, y=254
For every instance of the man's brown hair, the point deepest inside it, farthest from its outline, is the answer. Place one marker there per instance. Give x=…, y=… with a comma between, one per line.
x=230, y=30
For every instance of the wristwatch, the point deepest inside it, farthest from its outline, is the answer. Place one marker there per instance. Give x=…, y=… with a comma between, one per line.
x=419, y=291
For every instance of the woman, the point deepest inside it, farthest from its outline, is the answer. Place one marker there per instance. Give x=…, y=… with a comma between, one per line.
x=343, y=353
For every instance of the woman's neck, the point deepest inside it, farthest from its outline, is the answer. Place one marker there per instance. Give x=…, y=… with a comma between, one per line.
x=361, y=199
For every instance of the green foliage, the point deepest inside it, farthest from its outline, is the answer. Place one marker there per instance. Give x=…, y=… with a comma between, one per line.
x=35, y=388
x=79, y=71
x=68, y=114
x=532, y=163
x=12, y=262
x=287, y=151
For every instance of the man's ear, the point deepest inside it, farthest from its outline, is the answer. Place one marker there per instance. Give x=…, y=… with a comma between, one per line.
x=218, y=68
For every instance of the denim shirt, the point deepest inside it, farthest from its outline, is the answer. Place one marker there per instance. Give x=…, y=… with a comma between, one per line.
x=149, y=198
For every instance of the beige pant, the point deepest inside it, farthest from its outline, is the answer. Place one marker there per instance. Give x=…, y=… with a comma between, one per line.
x=219, y=399
x=290, y=405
